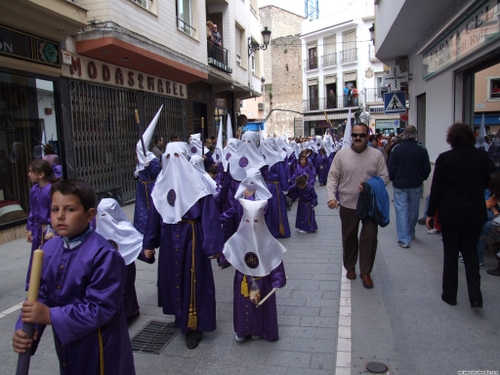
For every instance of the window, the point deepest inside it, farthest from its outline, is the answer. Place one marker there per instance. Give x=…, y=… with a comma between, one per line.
x=313, y=94
x=184, y=16
x=143, y=3
x=349, y=50
x=239, y=37
x=493, y=89
x=254, y=6
x=312, y=53
x=330, y=51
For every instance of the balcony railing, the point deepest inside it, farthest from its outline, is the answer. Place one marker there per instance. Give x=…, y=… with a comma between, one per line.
x=349, y=56
x=343, y=101
x=187, y=28
x=217, y=57
x=310, y=64
x=329, y=60
x=374, y=96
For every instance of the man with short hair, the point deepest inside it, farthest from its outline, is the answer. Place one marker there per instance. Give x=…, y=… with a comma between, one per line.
x=158, y=147
x=351, y=167
x=409, y=167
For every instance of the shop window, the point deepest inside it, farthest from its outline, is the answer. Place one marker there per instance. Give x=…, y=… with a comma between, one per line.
x=27, y=123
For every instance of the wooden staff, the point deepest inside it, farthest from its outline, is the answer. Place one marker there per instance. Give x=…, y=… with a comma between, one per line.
x=202, y=136
x=268, y=295
x=139, y=130
x=23, y=361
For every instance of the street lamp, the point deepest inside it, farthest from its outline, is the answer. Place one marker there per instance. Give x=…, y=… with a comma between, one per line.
x=372, y=33
x=254, y=46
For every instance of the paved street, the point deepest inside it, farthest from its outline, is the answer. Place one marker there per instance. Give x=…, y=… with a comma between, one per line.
x=328, y=324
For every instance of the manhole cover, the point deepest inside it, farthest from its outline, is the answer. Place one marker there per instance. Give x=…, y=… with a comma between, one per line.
x=154, y=337
x=376, y=367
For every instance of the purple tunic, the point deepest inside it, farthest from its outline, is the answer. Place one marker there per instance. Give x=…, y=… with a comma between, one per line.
x=277, y=216
x=40, y=206
x=323, y=164
x=83, y=287
x=304, y=170
x=262, y=321
x=175, y=260
x=306, y=219
x=143, y=201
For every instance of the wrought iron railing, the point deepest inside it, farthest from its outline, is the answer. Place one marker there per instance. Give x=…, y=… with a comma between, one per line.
x=310, y=64
x=217, y=56
x=349, y=56
x=186, y=27
x=371, y=52
x=343, y=101
x=329, y=60
x=374, y=96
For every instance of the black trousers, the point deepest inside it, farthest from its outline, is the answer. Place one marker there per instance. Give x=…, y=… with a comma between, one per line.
x=461, y=239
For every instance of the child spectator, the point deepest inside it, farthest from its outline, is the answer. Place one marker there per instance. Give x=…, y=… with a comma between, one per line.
x=81, y=291
x=305, y=193
x=257, y=258
x=38, y=228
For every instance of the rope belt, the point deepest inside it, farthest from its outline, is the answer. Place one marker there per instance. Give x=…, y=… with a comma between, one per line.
x=244, y=286
x=193, y=318
x=281, y=226
x=145, y=184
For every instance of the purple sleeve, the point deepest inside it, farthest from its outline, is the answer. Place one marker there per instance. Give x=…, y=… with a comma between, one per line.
x=151, y=239
x=213, y=238
x=103, y=299
x=278, y=278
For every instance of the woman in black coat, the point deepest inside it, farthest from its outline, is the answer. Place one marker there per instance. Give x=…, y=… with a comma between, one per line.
x=457, y=193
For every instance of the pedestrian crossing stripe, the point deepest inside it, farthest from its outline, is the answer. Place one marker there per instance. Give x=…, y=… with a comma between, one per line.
x=395, y=102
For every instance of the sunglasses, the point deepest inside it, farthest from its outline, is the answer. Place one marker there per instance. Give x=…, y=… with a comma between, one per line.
x=360, y=135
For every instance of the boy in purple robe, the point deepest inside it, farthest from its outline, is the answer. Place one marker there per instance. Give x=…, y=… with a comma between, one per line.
x=304, y=168
x=305, y=193
x=184, y=224
x=257, y=258
x=81, y=291
x=323, y=164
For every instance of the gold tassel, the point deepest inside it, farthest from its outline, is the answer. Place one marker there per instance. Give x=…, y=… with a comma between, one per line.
x=192, y=318
x=244, y=287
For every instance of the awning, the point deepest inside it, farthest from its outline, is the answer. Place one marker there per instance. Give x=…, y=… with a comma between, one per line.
x=490, y=119
x=331, y=116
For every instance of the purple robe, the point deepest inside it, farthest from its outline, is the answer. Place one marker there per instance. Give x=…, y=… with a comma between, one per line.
x=277, y=215
x=143, y=201
x=83, y=287
x=40, y=207
x=175, y=261
x=323, y=168
x=306, y=219
x=304, y=170
x=262, y=321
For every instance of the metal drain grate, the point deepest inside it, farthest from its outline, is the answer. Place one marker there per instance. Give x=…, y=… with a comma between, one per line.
x=154, y=337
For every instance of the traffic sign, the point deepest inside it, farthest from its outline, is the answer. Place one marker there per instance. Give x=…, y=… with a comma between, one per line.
x=395, y=102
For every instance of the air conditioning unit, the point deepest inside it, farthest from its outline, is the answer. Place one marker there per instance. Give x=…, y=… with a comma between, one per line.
x=261, y=106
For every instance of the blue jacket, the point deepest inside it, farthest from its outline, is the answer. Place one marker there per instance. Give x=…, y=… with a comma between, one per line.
x=409, y=165
x=374, y=202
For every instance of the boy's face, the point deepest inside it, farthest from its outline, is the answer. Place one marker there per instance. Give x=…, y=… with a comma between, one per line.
x=68, y=217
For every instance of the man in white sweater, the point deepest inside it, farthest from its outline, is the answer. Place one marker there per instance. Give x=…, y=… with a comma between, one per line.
x=351, y=167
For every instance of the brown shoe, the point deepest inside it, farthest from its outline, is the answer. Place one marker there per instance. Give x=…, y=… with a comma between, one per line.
x=351, y=275
x=367, y=281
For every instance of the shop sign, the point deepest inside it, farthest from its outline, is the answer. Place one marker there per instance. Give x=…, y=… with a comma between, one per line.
x=480, y=27
x=381, y=124
x=98, y=72
x=28, y=47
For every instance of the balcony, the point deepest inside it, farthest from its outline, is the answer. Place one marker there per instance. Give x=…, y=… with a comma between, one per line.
x=310, y=64
x=217, y=57
x=329, y=60
x=349, y=56
x=336, y=102
x=374, y=96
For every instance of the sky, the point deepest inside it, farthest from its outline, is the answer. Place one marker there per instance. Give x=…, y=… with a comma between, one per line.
x=297, y=6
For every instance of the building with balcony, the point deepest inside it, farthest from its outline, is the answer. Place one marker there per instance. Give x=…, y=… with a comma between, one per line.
x=340, y=70
x=73, y=72
x=452, y=52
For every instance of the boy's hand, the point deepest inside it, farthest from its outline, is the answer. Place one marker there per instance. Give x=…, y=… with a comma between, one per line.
x=21, y=341
x=35, y=312
x=149, y=254
x=29, y=236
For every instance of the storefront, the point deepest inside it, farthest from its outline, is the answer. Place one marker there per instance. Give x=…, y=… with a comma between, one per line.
x=101, y=132
x=29, y=71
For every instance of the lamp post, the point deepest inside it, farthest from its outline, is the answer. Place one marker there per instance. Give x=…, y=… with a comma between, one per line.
x=254, y=46
x=372, y=33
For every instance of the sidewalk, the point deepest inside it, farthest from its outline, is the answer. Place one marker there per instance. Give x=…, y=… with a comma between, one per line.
x=328, y=324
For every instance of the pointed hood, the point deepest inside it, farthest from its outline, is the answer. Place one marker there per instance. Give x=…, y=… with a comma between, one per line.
x=229, y=130
x=143, y=160
x=348, y=131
